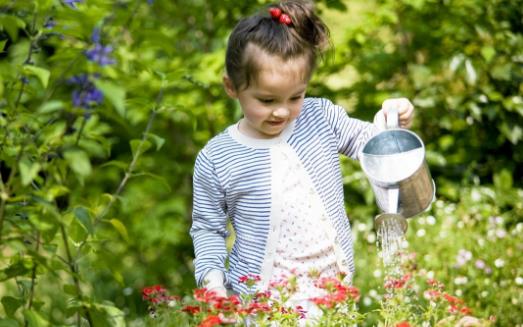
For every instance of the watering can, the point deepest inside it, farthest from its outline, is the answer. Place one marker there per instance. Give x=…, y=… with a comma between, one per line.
x=394, y=162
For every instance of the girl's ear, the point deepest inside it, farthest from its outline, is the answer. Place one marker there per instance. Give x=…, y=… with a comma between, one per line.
x=229, y=87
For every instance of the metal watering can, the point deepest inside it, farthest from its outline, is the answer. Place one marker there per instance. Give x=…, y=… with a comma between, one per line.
x=394, y=162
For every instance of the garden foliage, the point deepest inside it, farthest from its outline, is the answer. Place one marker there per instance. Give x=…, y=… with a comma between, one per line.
x=105, y=103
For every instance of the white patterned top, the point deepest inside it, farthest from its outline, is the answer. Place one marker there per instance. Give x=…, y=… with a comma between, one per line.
x=306, y=240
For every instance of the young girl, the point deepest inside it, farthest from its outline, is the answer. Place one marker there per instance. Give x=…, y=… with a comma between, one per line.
x=275, y=173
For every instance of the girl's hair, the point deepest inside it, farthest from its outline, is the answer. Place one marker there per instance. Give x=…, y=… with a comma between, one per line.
x=305, y=35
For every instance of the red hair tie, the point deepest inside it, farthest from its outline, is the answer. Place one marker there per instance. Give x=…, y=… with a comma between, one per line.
x=277, y=14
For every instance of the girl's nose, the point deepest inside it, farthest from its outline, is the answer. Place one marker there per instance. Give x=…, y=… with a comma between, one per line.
x=281, y=112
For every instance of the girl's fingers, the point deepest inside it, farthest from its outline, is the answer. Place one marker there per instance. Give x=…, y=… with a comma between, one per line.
x=404, y=107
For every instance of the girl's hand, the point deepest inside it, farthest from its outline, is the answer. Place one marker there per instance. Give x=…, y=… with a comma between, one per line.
x=405, y=112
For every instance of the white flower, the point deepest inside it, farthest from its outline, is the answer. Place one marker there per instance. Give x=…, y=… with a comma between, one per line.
x=459, y=293
x=373, y=293
x=484, y=294
x=431, y=220
x=499, y=263
x=501, y=233
x=519, y=280
x=362, y=227
x=420, y=233
x=367, y=301
x=377, y=273
x=430, y=275
x=371, y=238
x=460, y=280
x=475, y=196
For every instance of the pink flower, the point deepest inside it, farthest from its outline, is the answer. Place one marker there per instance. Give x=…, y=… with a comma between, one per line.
x=431, y=295
x=249, y=278
x=403, y=324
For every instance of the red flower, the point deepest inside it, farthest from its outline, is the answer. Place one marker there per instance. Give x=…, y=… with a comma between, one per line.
x=453, y=309
x=203, y=295
x=229, y=304
x=465, y=311
x=323, y=301
x=256, y=307
x=155, y=294
x=452, y=299
x=435, y=284
x=403, y=324
x=210, y=321
x=192, y=309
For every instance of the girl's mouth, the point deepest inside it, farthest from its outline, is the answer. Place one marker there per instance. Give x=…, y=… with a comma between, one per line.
x=276, y=123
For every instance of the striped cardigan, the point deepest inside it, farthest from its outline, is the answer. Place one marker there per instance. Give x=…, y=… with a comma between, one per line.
x=232, y=180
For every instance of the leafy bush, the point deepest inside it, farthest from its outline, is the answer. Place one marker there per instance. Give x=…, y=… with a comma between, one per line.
x=104, y=104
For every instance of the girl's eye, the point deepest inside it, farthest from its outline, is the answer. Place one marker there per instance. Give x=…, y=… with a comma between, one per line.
x=296, y=98
x=266, y=100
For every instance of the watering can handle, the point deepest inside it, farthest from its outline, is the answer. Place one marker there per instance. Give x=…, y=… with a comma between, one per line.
x=392, y=118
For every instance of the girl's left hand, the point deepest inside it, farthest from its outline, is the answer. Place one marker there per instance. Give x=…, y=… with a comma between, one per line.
x=405, y=112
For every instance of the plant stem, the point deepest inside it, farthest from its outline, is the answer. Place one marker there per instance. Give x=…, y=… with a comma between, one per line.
x=33, y=42
x=74, y=273
x=133, y=163
x=33, y=277
x=79, y=135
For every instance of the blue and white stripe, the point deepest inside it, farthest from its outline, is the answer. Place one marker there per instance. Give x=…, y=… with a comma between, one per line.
x=232, y=179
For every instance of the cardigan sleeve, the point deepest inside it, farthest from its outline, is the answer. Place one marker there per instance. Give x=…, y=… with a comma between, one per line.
x=209, y=220
x=351, y=133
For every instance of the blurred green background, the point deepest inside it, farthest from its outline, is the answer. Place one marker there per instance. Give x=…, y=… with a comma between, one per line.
x=104, y=105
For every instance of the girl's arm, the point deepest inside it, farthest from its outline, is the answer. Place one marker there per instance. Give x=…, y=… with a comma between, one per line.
x=209, y=225
x=351, y=133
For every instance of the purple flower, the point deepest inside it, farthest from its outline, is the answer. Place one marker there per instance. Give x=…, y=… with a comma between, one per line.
x=49, y=23
x=480, y=264
x=95, y=37
x=86, y=95
x=150, y=2
x=463, y=257
x=100, y=54
x=72, y=3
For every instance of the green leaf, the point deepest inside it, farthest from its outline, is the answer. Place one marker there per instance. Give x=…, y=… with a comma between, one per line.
x=28, y=170
x=115, y=163
x=34, y=319
x=107, y=315
x=158, y=141
x=16, y=269
x=114, y=93
x=82, y=214
x=488, y=53
x=2, y=45
x=11, y=304
x=120, y=228
x=41, y=73
x=70, y=289
x=8, y=322
x=503, y=180
x=50, y=106
x=78, y=161
x=138, y=147
x=11, y=24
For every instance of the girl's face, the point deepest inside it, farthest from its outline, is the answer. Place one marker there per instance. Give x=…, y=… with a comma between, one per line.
x=275, y=98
